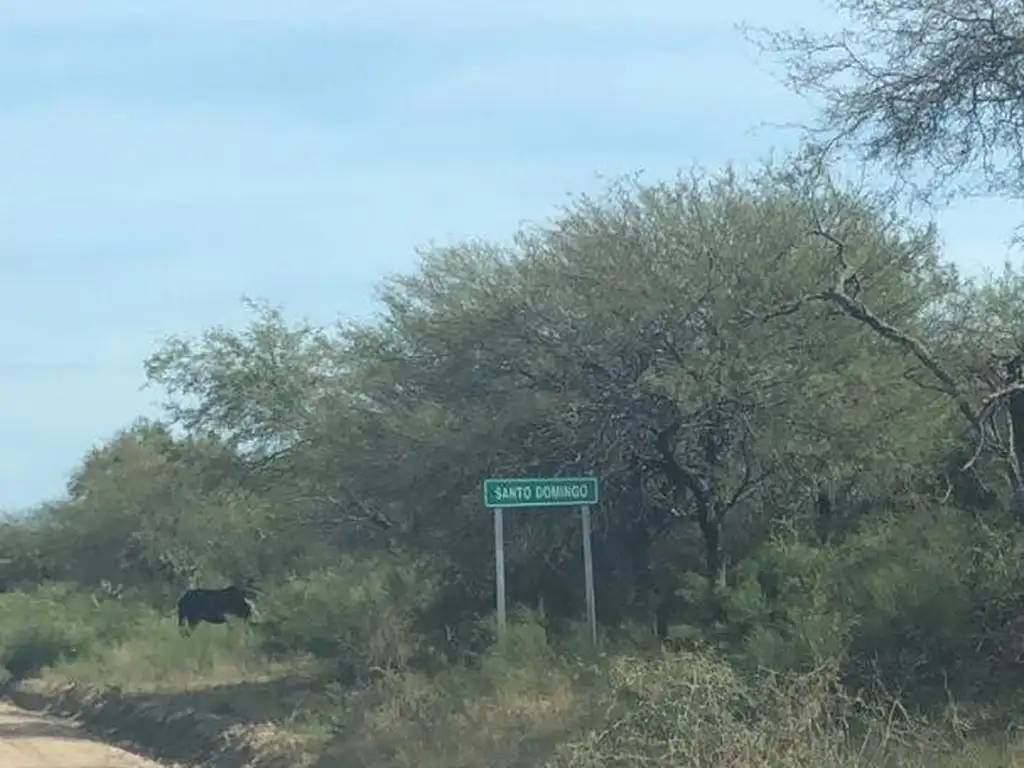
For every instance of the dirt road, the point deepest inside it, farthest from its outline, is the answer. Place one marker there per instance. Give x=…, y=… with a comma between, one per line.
x=28, y=740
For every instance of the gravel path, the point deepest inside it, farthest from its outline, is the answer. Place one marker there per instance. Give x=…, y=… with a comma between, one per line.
x=28, y=740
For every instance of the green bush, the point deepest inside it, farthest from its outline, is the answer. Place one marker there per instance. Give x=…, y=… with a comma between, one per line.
x=896, y=602
x=526, y=643
x=907, y=584
x=55, y=623
x=157, y=656
x=781, y=611
x=361, y=613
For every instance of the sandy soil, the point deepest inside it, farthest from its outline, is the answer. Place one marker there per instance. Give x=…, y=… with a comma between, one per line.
x=28, y=740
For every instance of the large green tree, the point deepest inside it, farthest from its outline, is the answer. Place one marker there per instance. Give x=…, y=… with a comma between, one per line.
x=690, y=342
x=637, y=337
x=147, y=510
x=933, y=91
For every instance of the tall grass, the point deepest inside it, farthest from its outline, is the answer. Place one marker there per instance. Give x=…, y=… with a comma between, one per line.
x=533, y=703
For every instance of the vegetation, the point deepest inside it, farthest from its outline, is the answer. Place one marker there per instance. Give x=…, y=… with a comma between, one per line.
x=808, y=430
x=932, y=90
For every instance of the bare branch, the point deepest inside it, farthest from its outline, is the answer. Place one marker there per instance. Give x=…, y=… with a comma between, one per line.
x=372, y=516
x=916, y=85
x=839, y=296
x=859, y=311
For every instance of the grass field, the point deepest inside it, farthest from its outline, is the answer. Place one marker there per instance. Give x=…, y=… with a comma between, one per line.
x=539, y=703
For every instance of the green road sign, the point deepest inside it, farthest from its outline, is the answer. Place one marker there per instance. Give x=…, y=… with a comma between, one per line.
x=540, y=492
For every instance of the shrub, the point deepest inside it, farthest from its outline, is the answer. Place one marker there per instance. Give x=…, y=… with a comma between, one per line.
x=361, y=613
x=695, y=710
x=55, y=622
x=906, y=583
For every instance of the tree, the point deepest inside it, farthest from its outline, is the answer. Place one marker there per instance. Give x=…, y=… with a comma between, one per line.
x=631, y=338
x=934, y=86
x=920, y=86
x=643, y=336
x=256, y=390
x=152, y=511
x=272, y=394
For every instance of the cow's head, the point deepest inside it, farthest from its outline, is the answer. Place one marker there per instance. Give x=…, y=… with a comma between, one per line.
x=239, y=603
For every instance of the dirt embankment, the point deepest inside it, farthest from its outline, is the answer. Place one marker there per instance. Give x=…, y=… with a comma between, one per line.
x=31, y=740
x=183, y=737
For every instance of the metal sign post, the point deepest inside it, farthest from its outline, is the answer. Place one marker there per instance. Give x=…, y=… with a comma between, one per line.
x=504, y=493
x=499, y=571
x=588, y=575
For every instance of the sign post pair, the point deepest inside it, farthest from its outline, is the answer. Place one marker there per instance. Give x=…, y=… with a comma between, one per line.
x=513, y=493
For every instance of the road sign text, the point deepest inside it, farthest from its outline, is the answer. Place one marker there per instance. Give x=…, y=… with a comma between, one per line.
x=540, y=492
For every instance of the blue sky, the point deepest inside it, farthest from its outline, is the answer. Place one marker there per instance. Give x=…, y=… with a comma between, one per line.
x=161, y=160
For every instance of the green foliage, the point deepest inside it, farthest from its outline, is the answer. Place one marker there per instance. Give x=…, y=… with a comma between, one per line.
x=590, y=344
x=898, y=601
x=908, y=583
x=361, y=613
x=256, y=389
x=56, y=622
x=526, y=642
x=786, y=609
x=154, y=655
x=686, y=342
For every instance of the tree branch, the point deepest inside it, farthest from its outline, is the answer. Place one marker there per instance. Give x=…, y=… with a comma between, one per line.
x=838, y=296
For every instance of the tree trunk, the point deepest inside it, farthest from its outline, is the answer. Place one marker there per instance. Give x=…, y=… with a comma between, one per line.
x=640, y=560
x=1016, y=408
x=823, y=515
x=711, y=529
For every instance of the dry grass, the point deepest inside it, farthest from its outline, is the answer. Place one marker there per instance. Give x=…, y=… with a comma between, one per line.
x=695, y=710
x=461, y=718
x=675, y=710
x=530, y=707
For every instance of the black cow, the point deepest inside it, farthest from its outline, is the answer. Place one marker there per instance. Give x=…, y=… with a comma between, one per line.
x=213, y=606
